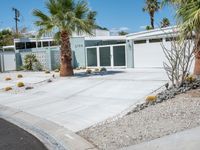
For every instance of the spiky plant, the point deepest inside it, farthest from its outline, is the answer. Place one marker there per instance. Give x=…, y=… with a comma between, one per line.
x=165, y=22
x=66, y=17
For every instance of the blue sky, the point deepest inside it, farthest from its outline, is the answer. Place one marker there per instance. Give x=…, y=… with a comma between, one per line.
x=113, y=14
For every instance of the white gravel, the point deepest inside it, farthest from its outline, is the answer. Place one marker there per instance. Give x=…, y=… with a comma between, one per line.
x=166, y=118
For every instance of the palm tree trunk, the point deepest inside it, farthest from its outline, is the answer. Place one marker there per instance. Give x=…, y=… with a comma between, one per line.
x=152, y=19
x=66, y=55
x=197, y=56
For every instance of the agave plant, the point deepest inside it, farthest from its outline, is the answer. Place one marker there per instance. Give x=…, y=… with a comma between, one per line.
x=66, y=17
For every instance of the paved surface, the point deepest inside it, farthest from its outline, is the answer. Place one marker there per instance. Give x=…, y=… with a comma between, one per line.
x=79, y=102
x=15, y=138
x=186, y=140
x=28, y=78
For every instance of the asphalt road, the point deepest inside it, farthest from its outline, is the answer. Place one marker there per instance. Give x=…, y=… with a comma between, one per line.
x=14, y=138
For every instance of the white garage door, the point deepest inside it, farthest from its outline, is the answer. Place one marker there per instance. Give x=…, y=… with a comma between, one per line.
x=148, y=55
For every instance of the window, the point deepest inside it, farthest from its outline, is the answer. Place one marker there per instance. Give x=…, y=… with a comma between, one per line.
x=155, y=40
x=53, y=43
x=92, y=57
x=30, y=45
x=39, y=44
x=45, y=44
x=140, y=41
x=171, y=39
x=20, y=45
x=119, y=55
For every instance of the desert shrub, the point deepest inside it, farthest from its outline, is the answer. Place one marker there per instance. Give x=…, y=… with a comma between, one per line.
x=20, y=84
x=37, y=66
x=178, y=60
x=151, y=98
x=29, y=61
x=47, y=72
x=190, y=78
x=83, y=68
x=103, y=69
x=19, y=76
x=96, y=69
x=88, y=71
x=56, y=70
x=8, y=78
x=8, y=88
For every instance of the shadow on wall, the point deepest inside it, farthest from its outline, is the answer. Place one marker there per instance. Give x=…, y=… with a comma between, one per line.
x=96, y=74
x=75, y=62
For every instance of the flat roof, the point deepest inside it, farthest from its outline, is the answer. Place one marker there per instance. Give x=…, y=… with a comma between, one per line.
x=91, y=38
x=105, y=38
x=155, y=33
x=10, y=46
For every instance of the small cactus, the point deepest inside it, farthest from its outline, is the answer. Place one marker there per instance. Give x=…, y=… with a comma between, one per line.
x=97, y=70
x=8, y=88
x=20, y=84
x=151, y=98
x=8, y=78
x=190, y=78
x=19, y=76
x=47, y=72
x=88, y=71
x=103, y=69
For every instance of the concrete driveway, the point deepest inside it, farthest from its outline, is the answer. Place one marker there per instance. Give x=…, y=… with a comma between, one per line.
x=81, y=101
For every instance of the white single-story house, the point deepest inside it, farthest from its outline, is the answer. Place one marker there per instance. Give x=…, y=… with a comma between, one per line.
x=135, y=50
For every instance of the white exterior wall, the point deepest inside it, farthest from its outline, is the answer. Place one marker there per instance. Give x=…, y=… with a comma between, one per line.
x=9, y=61
x=151, y=55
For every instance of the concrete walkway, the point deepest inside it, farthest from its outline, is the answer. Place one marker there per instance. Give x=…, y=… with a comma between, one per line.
x=186, y=140
x=81, y=101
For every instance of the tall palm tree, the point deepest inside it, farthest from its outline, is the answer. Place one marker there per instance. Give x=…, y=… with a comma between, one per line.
x=188, y=14
x=66, y=17
x=151, y=6
x=165, y=22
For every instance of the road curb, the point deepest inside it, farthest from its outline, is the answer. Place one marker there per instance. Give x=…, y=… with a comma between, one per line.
x=52, y=135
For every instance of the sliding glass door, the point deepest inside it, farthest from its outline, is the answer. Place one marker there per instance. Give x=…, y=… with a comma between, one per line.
x=105, y=56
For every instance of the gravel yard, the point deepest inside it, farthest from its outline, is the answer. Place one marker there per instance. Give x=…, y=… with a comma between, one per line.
x=174, y=115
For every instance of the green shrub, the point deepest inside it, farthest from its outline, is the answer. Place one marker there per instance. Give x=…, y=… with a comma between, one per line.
x=29, y=61
x=20, y=84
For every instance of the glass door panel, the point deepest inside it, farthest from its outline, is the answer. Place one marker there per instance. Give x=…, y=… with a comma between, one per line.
x=105, y=58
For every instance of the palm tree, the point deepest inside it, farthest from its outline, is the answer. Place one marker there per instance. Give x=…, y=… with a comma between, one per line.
x=165, y=22
x=66, y=17
x=188, y=14
x=151, y=6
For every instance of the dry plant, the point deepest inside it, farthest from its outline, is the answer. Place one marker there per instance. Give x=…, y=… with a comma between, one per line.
x=179, y=59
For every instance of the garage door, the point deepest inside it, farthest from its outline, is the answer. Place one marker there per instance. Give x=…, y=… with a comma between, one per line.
x=148, y=55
